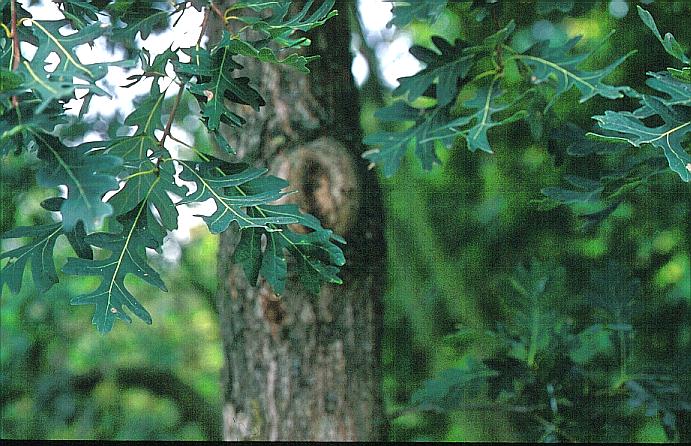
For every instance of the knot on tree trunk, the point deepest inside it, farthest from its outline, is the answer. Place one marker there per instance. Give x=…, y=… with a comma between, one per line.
x=324, y=176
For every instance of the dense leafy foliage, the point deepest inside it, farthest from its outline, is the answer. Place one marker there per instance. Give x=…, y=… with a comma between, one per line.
x=544, y=361
x=544, y=73
x=132, y=184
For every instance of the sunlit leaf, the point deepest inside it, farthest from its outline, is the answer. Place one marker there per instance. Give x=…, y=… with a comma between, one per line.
x=675, y=112
x=279, y=26
x=59, y=83
x=228, y=191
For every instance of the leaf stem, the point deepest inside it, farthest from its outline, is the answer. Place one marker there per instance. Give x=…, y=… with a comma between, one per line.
x=143, y=172
x=484, y=74
x=179, y=141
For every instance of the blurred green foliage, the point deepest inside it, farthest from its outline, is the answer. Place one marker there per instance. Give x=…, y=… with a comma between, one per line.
x=457, y=234
x=457, y=237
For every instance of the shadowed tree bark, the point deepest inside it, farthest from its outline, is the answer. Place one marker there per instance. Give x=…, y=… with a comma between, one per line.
x=300, y=366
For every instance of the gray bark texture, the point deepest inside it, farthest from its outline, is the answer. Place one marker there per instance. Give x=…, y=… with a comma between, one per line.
x=300, y=366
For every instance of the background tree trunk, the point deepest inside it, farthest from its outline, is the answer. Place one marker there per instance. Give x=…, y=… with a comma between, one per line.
x=299, y=366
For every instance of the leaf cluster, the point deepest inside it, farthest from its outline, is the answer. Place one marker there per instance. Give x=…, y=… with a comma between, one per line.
x=456, y=71
x=120, y=195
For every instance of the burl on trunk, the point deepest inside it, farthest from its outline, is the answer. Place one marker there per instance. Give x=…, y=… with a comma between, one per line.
x=300, y=366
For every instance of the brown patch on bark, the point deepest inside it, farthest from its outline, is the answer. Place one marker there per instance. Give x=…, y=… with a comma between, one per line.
x=272, y=308
x=324, y=175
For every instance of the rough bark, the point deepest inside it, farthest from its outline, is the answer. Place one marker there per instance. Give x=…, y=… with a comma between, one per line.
x=299, y=366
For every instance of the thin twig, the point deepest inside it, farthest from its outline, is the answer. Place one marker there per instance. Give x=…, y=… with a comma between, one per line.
x=374, y=81
x=203, y=27
x=16, y=54
x=171, y=118
x=220, y=15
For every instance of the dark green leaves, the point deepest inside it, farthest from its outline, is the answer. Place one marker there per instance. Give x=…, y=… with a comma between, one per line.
x=548, y=6
x=447, y=68
x=543, y=363
x=139, y=17
x=672, y=107
x=317, y=257
x=233, y=188
x=266, y=54
x=429, y=126
x=406, y=12
x=130, y=183
x=530, y=333
x=215, y=83
x=315, y=254
x=154, y=185
x=242, y=195
x=441, y=79
x=487, y=103
x=586, y=191
x=278, y=25
x=80, y=12
x=9, y=80
x=87, y=176
x=39, y=251
x=59, y=84
x=613, y=291
x=660, y=124
x=17, y=129
x=435, y=125
x=452, y=388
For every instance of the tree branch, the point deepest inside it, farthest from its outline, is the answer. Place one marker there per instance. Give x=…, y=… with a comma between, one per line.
x=474, y=407
x=16, y=52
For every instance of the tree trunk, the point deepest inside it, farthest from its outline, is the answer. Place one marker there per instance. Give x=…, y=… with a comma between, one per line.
x=299, y=366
